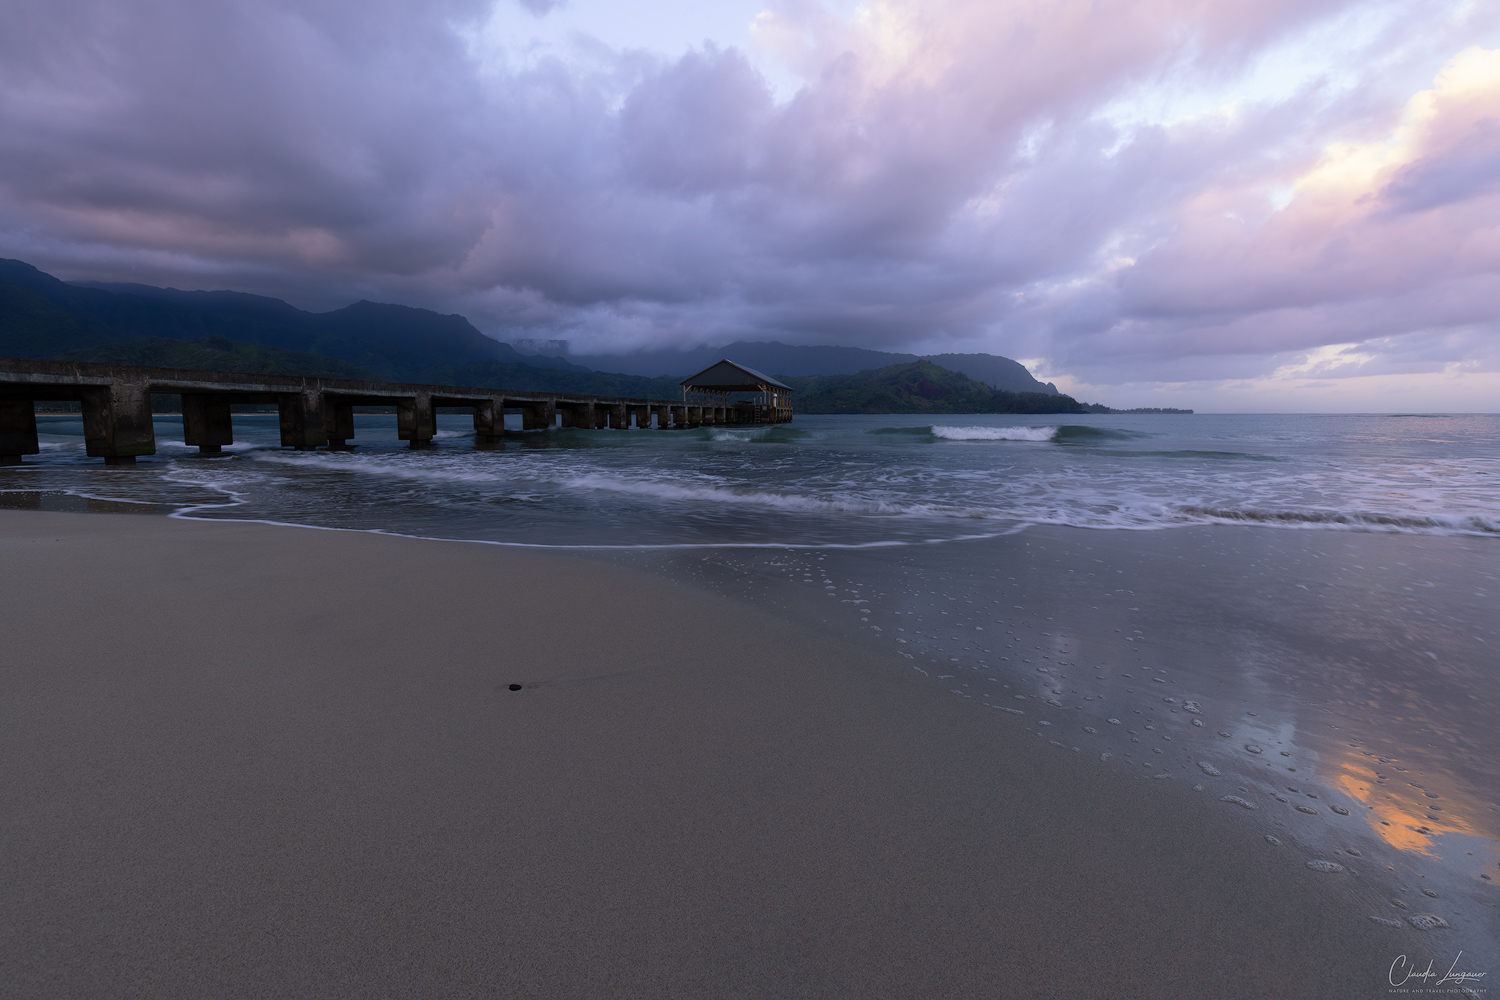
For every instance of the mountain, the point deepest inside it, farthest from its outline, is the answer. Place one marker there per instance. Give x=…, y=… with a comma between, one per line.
x=218, y=354
x=994, y=371
x=916, y=387
x=215, y=354
x=41, y=316
x=772, y=356
x=413, y=331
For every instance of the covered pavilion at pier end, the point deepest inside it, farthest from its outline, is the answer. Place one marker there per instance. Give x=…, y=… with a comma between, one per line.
x=717, y=384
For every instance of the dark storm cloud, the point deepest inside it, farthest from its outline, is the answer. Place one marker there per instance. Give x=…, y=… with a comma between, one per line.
x=944, y=179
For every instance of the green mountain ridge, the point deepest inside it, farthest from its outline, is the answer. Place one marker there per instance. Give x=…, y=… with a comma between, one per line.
x=917, y=387
x=43, y=317
x=219, y=354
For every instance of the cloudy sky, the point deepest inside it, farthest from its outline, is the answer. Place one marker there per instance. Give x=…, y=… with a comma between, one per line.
x=1233, y=204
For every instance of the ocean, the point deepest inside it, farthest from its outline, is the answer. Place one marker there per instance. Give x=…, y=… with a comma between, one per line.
x=1291, y=617
x=824, y=480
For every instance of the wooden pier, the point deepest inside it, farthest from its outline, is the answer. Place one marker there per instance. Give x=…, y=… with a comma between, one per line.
x=315, y=412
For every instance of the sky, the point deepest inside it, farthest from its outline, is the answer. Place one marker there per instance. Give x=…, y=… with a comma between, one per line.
x=1233, y=205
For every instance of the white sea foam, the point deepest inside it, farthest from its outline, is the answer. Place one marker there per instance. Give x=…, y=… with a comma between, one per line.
x=994, y=433
x=887, y=483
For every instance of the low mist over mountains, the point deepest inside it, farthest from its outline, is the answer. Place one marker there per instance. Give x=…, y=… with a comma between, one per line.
x=787, y=359
x=43, y=317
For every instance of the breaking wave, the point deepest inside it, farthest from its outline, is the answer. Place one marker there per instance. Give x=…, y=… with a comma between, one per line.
x=994, y=433
x=1475, y=524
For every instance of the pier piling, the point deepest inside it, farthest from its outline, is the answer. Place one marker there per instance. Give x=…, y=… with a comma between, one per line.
x=304, y=425
x=338, y=420
x=489, y=421
x=206, y=422
x=17, y=430
x=117, y=422
x=538, y=416
x=416, y=420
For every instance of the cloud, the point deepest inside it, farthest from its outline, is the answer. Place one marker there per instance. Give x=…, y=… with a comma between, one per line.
x=1121, y=189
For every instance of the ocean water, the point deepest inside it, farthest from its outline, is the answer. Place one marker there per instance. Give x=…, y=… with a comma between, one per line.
x=1292, y=618
x=824, y=480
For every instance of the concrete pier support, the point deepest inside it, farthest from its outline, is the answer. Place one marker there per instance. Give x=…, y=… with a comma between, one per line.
x=117, y=422
x=304, y=424
x=695, y=416
x=338, y=419
x=17, y=430
x=489, y=421
x=538, y=416
x=579, y=415
x=642, y=416
x=619, y=416
x=663, y=417
x=416, y=420
x=206, y=422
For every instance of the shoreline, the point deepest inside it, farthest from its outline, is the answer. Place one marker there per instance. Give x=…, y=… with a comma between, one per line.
x=248, y=761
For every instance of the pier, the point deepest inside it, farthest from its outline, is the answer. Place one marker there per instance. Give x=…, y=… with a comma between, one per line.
x=315, y=412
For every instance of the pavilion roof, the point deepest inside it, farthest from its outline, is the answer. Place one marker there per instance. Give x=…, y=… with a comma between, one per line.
x=727, y=376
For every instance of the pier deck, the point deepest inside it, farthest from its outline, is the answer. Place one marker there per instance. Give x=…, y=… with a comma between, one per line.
x=315, y=412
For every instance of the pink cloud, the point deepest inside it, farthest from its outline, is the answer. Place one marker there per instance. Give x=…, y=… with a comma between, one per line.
x=948, y=177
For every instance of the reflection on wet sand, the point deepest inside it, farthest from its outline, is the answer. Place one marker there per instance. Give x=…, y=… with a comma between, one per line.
x=1412, y=816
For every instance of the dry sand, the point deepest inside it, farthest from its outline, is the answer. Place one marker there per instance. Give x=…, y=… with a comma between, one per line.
x=246, y=761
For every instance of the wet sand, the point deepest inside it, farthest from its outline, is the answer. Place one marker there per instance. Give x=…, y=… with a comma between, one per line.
x=239, y=760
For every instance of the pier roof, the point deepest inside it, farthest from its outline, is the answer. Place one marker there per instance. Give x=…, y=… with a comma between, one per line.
x=727, y=376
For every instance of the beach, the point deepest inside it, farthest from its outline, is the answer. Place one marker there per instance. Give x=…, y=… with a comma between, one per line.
x=250, y=760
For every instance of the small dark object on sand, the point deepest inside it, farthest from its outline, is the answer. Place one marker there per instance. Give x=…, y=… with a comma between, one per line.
x=515, y=687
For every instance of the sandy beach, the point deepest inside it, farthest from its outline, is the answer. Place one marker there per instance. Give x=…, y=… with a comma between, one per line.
x=242, y=760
